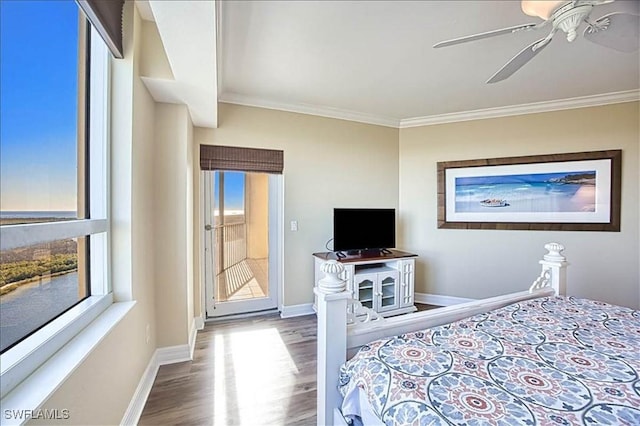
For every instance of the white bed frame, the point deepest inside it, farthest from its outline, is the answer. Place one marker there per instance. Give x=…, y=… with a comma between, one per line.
x=341, y=333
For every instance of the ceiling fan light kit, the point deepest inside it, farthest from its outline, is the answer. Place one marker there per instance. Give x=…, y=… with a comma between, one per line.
x=618, y=31
x=540, y=9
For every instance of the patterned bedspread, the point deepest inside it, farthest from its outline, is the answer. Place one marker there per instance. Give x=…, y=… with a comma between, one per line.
x=547, y=361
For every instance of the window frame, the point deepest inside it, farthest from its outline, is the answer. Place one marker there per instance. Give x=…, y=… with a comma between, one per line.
x=20, y=361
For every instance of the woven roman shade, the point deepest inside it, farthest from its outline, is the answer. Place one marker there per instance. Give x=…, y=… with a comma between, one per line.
x=106, y=17
x=216, y=157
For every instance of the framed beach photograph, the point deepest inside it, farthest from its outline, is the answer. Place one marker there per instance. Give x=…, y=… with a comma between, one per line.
x=564, y=192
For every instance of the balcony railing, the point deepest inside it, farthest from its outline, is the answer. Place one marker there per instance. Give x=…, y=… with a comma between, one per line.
x=231, y=245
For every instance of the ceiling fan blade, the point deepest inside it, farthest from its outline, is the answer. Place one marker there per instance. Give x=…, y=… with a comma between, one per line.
x=520, y=60
x=486, y=35
x=618, y=31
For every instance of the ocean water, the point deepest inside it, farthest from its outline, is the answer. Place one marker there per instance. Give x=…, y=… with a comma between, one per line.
x=539, y=197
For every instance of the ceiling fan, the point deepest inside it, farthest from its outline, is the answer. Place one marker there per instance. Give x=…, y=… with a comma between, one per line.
x=619, y=31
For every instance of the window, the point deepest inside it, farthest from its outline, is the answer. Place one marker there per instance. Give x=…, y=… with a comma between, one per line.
x=53, y=192
x=40, y=282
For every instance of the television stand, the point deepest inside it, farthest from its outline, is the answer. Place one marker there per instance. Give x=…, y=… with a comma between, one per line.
x=362, y=252
x=382, y=280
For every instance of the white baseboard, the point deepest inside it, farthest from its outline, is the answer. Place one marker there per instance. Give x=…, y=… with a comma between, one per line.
x=199, y=321
x=161, y=356
x=439, y=300
x=139, y=399
x=173, y=354
x=196, y=324
x=297, y=310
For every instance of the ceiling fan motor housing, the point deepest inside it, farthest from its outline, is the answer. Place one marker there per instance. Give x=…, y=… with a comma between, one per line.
x=569, y=17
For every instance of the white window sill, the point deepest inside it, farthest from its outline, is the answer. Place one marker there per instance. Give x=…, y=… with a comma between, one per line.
x=33, y=391
x=27, y=356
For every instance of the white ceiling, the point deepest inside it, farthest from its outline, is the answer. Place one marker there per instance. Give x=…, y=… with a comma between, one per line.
x=374, y=61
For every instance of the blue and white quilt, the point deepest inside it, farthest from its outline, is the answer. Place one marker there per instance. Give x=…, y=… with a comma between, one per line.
x=547, y=361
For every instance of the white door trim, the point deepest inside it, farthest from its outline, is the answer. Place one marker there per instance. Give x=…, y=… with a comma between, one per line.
x=276, y=235
x=276, y=221
x=207, y=183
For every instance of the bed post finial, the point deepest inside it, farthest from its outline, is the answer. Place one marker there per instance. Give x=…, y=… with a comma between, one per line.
x=555, y=252
x=332, y=283
x=554, y=270
x=332, y=337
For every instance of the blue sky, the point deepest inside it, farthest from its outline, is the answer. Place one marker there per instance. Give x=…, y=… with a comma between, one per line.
x=38, y=45
x=233, y=191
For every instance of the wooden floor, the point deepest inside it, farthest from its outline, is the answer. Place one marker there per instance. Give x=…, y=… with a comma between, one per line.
x=252, y=371
x=256, y=371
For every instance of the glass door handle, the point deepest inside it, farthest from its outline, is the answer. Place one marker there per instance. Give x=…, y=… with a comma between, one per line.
x=208, y=227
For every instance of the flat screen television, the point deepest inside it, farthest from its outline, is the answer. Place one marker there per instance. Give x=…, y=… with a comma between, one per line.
x=364, y=229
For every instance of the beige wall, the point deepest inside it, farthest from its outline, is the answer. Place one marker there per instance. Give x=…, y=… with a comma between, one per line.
x=190, y=225
x=199, y=310
x=257, y=215
x=100, y=389
x=327, y=163
x=480, y=263
x=173, y=224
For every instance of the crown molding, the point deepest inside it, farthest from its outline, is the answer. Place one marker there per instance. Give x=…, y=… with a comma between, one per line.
x=479, y=114
x=532, y=108
x=231, y=98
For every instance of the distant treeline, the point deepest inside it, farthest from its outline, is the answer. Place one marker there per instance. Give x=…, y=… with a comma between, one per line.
x=24, y=270
x=26, y=263
x=39, y=251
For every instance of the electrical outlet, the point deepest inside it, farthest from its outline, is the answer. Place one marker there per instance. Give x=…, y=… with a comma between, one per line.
x=294, y=225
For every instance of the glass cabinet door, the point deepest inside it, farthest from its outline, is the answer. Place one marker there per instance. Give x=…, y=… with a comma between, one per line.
x=366, y=287
x=388, y=294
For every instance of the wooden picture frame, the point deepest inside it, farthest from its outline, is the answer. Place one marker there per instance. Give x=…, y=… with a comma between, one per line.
x=556, y=192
